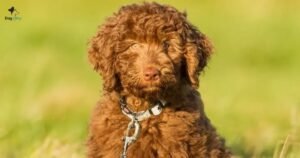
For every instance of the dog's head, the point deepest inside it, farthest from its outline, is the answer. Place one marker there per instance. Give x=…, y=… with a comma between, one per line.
x=146, y=49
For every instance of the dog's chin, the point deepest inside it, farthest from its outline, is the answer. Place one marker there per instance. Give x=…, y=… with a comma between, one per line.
x=147, y=92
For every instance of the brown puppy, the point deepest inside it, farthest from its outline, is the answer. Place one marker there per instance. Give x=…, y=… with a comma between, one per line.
x=150, y=55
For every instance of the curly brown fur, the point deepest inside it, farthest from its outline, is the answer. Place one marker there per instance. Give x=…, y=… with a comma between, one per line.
x=149, y=52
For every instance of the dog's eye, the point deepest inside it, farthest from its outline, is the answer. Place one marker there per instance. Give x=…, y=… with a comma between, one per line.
x=135, y=46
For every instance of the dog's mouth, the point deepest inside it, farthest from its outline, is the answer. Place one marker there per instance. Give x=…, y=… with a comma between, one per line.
x=157, y=87
x=148, y=90
x=151, y=89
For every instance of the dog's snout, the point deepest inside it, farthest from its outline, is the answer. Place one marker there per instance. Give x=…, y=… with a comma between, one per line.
x=151, y=74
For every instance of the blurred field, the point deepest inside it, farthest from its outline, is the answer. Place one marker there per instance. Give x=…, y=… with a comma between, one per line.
x=251, y=87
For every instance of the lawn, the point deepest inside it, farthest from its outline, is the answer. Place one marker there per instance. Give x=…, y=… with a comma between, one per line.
x=251, y=87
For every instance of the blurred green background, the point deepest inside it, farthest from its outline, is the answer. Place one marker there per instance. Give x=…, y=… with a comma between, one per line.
x=251, y=87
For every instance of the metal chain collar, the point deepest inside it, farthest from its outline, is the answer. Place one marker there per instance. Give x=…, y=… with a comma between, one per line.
x=135, y=118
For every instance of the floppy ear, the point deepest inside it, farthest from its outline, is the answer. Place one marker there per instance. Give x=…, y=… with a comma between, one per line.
x=197, y=51
x=101, y=53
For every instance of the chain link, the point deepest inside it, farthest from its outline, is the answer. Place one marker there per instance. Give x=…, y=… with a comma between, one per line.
x=134, y=124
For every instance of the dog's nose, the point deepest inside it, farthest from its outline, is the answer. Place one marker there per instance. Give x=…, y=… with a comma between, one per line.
x=151, y=74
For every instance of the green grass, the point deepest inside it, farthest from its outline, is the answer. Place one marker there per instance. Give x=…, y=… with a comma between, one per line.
x=251, y=87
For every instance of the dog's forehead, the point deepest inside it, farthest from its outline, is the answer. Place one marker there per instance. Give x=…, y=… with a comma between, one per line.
x=150, y=28
x=153, y=39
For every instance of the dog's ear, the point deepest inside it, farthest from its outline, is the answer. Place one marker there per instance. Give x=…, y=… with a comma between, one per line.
x=197, y=51
x=102, y=56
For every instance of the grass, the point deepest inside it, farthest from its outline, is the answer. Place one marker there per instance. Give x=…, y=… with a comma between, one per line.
x=251, y=87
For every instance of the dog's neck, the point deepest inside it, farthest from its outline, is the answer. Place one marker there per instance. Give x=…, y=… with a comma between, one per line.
x=172, y=97
x=137, y=104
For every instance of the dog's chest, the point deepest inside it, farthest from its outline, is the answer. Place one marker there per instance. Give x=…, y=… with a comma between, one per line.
x=158, y=136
